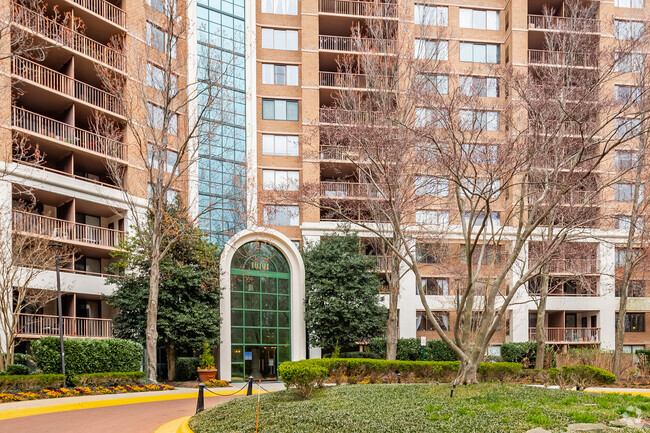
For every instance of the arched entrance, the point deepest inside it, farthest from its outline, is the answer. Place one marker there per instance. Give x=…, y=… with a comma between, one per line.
x=260, y=311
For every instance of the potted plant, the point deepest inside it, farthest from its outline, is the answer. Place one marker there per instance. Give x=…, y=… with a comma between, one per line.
x=206, y=368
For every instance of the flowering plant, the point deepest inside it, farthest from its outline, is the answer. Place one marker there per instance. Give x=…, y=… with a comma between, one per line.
x=82, y=390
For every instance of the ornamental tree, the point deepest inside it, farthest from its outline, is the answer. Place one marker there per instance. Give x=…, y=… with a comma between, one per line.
x=341, y=293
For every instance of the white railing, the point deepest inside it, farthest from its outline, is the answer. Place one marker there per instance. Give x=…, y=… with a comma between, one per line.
x=43, y=325
x=104, y=9
x=561, y=58
x=348, y=189
x=564, y=23
x=365, y=45
x=568, y=335
x=360, y=8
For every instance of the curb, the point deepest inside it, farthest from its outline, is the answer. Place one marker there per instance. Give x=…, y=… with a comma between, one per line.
x=178, y=425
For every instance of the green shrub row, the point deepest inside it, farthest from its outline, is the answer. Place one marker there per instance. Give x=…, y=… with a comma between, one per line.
x=186, y=368
x=490, y=371
x=410, y=349
x=107, y=379
x=357, y=354
x=33, y=382
x=87, y=355
x=580, y=376
x=517, y=352
x=304, y=376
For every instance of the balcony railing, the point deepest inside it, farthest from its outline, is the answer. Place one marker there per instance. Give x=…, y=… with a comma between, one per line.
x=574, y=266
x=65, y=230
x=63, y=173
x=359, y=8
x=38, y=325
x=63, y=132
x=54, y=80
x=347, y=43
x=340, y=153
x=561, y=58
x=568, y=24
x=569, y=335
x=105, y=10
x=342, y=79
x=349, y=117
x=348, y=189
x=62, y=35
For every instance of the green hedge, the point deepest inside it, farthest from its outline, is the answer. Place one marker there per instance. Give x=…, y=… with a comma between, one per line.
x=304, y=376
x=33, y=382
x=108, y=379
x=410, y=349
x=516, y=352
x=356, y=354
x=581, y=376
x=186, y=368
x=87, y=355
x=499, y=370
x=17, y=369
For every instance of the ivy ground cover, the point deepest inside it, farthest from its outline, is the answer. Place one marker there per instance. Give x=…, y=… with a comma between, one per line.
x=485, y=408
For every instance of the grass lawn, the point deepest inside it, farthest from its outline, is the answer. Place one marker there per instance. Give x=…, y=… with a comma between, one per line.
x=482, y=408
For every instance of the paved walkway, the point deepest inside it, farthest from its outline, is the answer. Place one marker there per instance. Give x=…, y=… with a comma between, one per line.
x=116, y=413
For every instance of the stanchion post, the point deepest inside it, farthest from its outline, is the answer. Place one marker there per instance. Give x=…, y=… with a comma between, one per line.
x=200, y=403
x=399, y=377
x=451, y=394
x=249, y=391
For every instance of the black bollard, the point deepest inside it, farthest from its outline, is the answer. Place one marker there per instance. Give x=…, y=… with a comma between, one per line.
x=249, y=391
x=399, y=378
x=200, y=402
x=451, y=395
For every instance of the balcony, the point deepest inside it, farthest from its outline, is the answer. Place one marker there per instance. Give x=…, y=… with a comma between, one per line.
x=582, y=25
x=349, y=117
x=59, y=34
x=358, y=8
x=39, y=325
x=338, y=153
x=561, y=58
x=342, y=79
x=569, y=335
x=36, y=73
x=64, y=173
x=348, y=190
x=356, y=45
x=574, y=266
x=32, y=123
x=104, y=9
x=66, y=231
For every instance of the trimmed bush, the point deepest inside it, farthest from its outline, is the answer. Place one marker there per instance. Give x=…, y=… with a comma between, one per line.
x=108, y=379
x=580, y=376
x=437, y=350
x=410, y=349
x=517, y=352
x=186, y=368
x=357, y=354
x=499, y=370
x=17, y=369
x=304, y=376
x=32, y=382
x=87, y=355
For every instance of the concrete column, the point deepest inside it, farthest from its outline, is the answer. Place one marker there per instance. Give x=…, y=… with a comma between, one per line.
x=5, y=241
x=606, y=256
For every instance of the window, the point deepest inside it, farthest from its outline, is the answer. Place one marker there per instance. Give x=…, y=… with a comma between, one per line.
x=490, y=255
x=479, y=86
x=625, y=192
x=624, y=222
x=481, y=153
x=282, y=145
x=431, y=186
x=428, y=117
x=619, y=258
x=156, y=79
x=634, y=322
x=429, y=253
x=156, y=38
x=479, y=120
x=282, y=215
x=280, y=180
x=628, y=30
x=433, y=83
x=423, y=324
x=431, y=15
x=280, y=39
x=435, y=286
x=627, y=127
x=635, y=289
x=635, y=4
x=479, y=53
x=627, y=94
x=280, y=7
x=283, y=75
x=432, y=217
x=156, y=119
x=481, y=186
x=629, y=62
x=625, y=159
x=478, y=19
x=172, y=196
x=431, y=49
x=495, y=219
x=279, y=109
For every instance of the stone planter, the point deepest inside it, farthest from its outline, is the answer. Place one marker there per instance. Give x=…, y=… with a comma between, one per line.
x=206, y=374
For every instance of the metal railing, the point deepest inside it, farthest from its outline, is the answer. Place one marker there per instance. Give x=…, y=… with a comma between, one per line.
x=43, y=325
x=360, y=8
x=41, y=225
x=105, y=10
x=568, y=335
x=564, y=23
x=574, y=266
x=54, y=80
x=63, y=132
x=38, y=23
x=63, y=173
x=348, y=117
x=340, y=153
x=365, y=45
x=348, y=189
x=562, y=58
x=342, y=79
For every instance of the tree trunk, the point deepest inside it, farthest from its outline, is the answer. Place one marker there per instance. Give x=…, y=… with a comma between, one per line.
x=171, y=362
x=392, y=331
x=152, y=317
x=540, y=335
x=467, y=372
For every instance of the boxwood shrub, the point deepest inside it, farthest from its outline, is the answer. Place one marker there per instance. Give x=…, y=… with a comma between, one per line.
x=581, y=376
x=17, y=369
x=32, y=382
x=516, y=352
x=88, y=355
x=108, y=379
x=304, y=376
x=499, y=370
x=186, y=368
x=410, y=349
